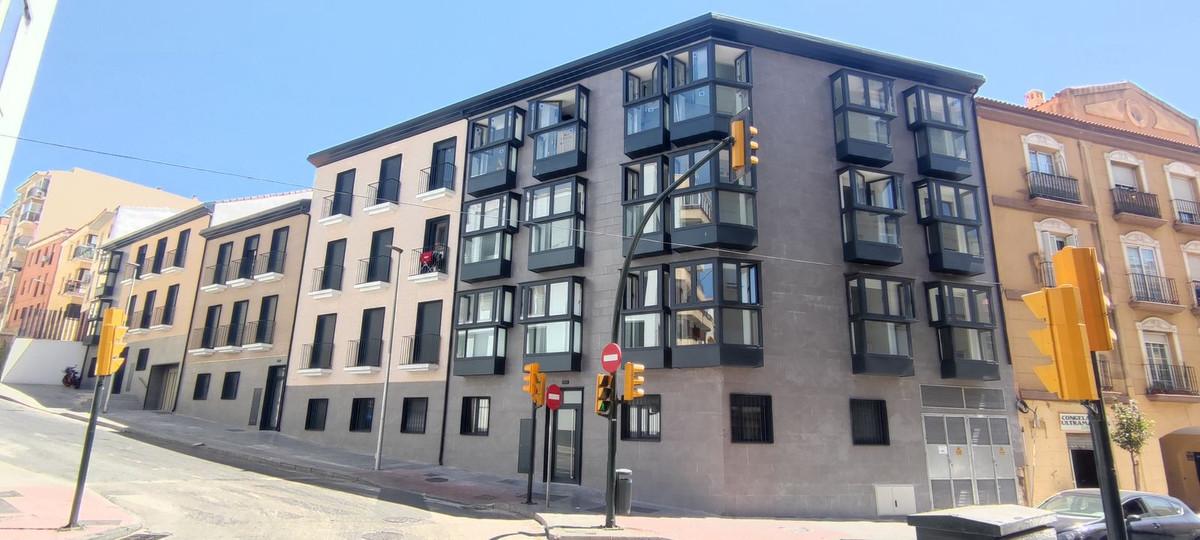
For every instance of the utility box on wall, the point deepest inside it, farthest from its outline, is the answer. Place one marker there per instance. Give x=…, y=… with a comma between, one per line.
x=895, y=500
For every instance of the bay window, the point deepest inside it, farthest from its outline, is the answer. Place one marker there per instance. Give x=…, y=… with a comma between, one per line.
x=492, y=151
x=872, y=203
x=938, y=120
x=559, y=131
x=642, y=317
x=643, y=181
x=881, y=308
x=951, y=215
x=482, y=319
x=646, y=108
x=554, y=213
x=863, y=108
x=552, y=314
x=487, y=229
x=715, y=207
x=710, y=83
x=965, y=325
x=716, y=311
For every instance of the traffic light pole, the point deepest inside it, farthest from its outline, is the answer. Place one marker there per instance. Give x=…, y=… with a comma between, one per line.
x=86, y=459
x=610, y=520
x=1110, y=495
x=532, y=450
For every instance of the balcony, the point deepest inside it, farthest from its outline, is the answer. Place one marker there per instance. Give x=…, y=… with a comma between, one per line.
x=336, y=209
x=214, y=278
x=1110, y=374
x=316, y=359
x=229, y=338
x=150, y=268
x=436, y=182
x=131, y=273
x=136, y=323
x=1136, y=207
x=1154, y=293
x=419, y=352
x=241, y=272
x=259, y=335
x=1043, y=271
x=163, y=318
x=1052, y=187
x=173, y=261
x=1164, y=381
x=268, y=267
x=83, y=252
x=76, y=287
x=428, y=263
x=365, y=356
x=29, y=216
x=382, y=197
x=374, y=273
x=1187, y=216
x=327, y=282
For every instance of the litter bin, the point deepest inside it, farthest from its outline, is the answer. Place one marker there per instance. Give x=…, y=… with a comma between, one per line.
x=624, y=492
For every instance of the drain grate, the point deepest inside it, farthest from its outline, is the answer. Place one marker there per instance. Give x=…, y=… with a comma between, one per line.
x=437, y=479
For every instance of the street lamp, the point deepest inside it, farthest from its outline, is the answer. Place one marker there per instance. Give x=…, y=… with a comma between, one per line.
x=387, y=371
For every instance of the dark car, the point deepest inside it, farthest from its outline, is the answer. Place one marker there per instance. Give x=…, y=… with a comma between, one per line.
x=1150, y=516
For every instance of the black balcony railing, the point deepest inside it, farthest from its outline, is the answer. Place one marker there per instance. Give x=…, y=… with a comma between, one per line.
x=327, y=278
x=151, y=266
x=203, y=338
x=270, y=262
x=419, y=349
x=1151, y=288
x=1187, y=212
x=260, y=331
x=163, y=316
x=365, y=352
x=317, y=356
x=76, y=287
x=373, y=269
x=337, y=204
x=174, y=258
x=1052, y=186
x=216, y=274
x=1135, y=202
x=383, y=191
x=1171, y=379
x=133, y=319
x=231, y=335
x=440, y=176
x=241, y=268
x=1106, y=374
x=1044, y=271
x=428, y=260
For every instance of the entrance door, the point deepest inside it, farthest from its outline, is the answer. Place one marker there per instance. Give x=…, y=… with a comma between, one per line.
x=1083, y=462
x=273, y=398
x=160, y=390
x=969, y=460
x=567, y=459
x=428, y=334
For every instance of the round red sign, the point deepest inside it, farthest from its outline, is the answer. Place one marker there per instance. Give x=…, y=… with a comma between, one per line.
x=553, y=397
x=610, y=357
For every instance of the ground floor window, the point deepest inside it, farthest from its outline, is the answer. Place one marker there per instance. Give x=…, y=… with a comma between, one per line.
x=413, y=420
x=641, y=419
x=475, y=414
x=362, y=412
x=314, y=420
x=201, y=390
x=750, y=417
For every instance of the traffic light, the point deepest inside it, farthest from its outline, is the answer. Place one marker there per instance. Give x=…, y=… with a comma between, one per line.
x=112, y=342
x=634, y=381
x=1078, y=266
x=539, y=397
x=745, y=148
x=532, y=382
x=604, y=392
x=1065, y=341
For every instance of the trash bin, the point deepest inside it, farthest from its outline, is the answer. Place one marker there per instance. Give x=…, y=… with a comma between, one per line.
x=624, y=492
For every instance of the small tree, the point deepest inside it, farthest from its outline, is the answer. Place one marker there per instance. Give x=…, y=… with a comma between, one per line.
x=1130, y=431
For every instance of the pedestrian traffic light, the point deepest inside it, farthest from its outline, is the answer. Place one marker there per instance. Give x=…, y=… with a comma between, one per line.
x=604, y=393
x=532, y=382
x=112, y=342
x=634, y=381
x=745, y=148
x=1065, y=341
x=1078, y=266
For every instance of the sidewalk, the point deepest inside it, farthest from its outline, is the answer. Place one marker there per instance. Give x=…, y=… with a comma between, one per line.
x=34, y=507
x=575, y=511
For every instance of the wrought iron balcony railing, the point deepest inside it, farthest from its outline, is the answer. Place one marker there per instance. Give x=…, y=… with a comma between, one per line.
x=1171, y=379
x=1151, y=288
x=1135, y=202
x=1052, y=186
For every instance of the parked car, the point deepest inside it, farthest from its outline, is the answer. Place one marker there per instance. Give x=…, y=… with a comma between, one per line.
x=1150, y=516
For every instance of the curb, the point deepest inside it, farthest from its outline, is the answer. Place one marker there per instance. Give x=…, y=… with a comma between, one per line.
x=119, y=532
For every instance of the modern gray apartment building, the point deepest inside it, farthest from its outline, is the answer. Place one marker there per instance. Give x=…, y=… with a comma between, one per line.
x=823, y=331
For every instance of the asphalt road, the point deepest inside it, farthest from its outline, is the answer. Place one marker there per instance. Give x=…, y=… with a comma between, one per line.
x=183, y=496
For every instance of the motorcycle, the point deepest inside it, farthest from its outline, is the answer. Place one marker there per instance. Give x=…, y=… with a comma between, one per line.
x=70, y=377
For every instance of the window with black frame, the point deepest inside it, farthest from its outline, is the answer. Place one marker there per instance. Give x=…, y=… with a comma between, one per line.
x=558, y=126
x=881, y=308
x=938, y=119
x=863, y=108
x=482, y=319
x=642, y=182
x=492, y=151
x=710, y=83
x=646, y=108
x=641, y=419
x=488, y=225
x=951, y=215
x=554, y=213
x=552, y=315
x=872, y=203
x=643, y=312
x=715, y=207
x=965, y=322
x=716, y=309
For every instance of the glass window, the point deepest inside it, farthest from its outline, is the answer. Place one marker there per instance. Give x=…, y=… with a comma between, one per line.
x=692, y=209
x=413, y=415
x=946, y=143
x=740, y=327
x=644, y=81
x=641, y=418
x=750, y=416
x=969, y=344
x=736, y=208
x=633, y=215
x=1124, y=176
x=475, y=413
x=643, y=288
x=642, y=180
x=692, y=103
x=480, y=342
x=549, y=337
x=953, y=303
x=551, y=299
x=485, y=247
x=552, y=235
x=484, y=306
x=641, y=330
x=695, y=327
x=938, y=200
x=869, y=421
x=876, y=189
x=362, y=411
x=731, y=101
x=643, y=117
x=694, y=283
x=866, y=127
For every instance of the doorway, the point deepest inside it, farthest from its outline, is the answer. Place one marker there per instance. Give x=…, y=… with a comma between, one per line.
x=118, y=379
x=273, y=398
x=441, y=174
x=428, y=333
x=160, y=390
x=566, y=460
x=1083, y=462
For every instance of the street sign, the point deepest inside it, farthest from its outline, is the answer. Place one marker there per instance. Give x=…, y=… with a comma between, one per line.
x=610, y=357
x=553, y=397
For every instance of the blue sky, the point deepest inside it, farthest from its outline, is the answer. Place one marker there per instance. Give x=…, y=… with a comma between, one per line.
x=254, y=87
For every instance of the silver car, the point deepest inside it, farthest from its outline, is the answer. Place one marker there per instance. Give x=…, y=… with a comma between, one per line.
x=1149, y=516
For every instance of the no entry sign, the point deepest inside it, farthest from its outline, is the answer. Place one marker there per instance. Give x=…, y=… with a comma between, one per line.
x=610, y=357
x=553, y=397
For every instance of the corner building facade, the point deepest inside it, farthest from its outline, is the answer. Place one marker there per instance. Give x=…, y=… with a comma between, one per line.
x=812, y=323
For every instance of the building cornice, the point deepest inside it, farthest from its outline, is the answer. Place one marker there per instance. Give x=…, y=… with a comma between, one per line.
x=267, y=216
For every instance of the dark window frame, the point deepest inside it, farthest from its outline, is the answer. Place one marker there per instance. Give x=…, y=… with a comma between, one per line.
x=633, y=304
x=718, y=303
x=469, y=424
x=869, y=410
x=229, y=384
x=504, y=230
x=660, y=85
x=575, y=310
x=946, y=325
x=738, y=432
x=916, y=104
x=143, y=359
x=631, y=200
x=860, y=312
x=362, y=414
x=316, y=414
x=503, y=303
x=201, y=386
x=932, y=214
x=576, y=212
x=579, y=123
x=851, y=205
x=629, y=412
x=721, y=178
x=408, y=409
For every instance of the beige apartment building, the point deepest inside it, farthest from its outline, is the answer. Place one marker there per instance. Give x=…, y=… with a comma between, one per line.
x=365, y=305
x=1110, y=167
x=51, y=201
x=241, y=328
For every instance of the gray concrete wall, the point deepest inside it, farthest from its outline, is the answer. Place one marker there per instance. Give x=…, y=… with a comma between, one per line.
x=164, y=350
x=812, y=468
x=233, y=412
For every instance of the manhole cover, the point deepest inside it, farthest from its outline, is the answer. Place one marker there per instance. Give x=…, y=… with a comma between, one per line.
x=436, y=479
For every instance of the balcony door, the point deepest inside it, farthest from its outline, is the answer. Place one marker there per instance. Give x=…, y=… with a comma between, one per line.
x=335, y=256
x=428, y=333
x=322, y=347
x=1183, y=190
x=1041, y=161
x=1145, y=274
x=379, y=265
x=370, y=342
x=441, y=173
x=1125, y=176
x=1162, y=374
x=249, y=254
x=237, y=323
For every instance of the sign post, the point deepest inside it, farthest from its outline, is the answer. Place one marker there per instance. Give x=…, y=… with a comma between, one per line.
x=610, y=360
x=553, y=402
